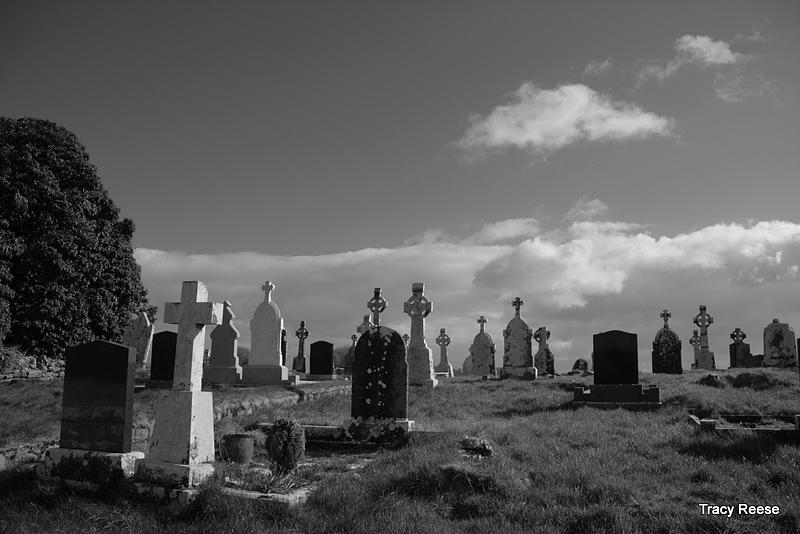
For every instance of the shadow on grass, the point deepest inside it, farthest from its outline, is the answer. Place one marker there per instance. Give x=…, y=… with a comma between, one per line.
x=748, y=448
x=524, y=409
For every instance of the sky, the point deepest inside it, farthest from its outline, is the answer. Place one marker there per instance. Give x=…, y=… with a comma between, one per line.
x=601, y=160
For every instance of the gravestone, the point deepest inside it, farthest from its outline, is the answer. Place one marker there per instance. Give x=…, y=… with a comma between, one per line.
x=581, y=366
x=703, y=357
x=616, y=375
x=517, y=351
x=162, y=362
x=365, y=324
x=299, y=362
x=223, y=364
x=543, y=360
x=377, y=305
x=406, y=339
x=739, y=351
x=667, y=349
x=466, y=367
x=139, y=335
x=320, y=361
x=420, y=360
x=482, y=352
x=266, y=363
x=182, y=440
x=380, y=376
x=444, y=368
x=780, y=346
x=96, y=415
x=283, y=346
x=350, y=356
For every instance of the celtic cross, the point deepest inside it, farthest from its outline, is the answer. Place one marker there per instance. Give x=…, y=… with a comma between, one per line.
x=482, y=321
x=417, y=307
x=443, y=340
x=665, y=315
x=405, y=339
x=695, y=341
x=354, y=338
x=541, y=336
x=703, y=320
x=738, y=336
x=268, y=288
x=301, y=334
x=376, y=305
x=517, y=302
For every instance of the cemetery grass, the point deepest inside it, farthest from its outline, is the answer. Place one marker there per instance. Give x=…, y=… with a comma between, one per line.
x=554, y=469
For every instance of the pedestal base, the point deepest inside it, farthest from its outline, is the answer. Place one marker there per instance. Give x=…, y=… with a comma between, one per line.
x=222, y=375
x=445, y=371
x=94, y=467
x=265, y=374
x=162, y=473
x=321, y=377
x=420, y=367
x=183, y=432
x=633, y=396
x=526, y=373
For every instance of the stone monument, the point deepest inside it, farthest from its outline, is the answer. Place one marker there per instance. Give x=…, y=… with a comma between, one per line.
x=299, y=362
x=444, y=368
x=517, y=351
x=543, y=360
x=162, y=363
x=667, y=349
x=780, y=345
x=740, y=351
x=481, y=353
x=265, y=364
x=320, y=361
x=420, y=360
x=139, y=335
x=223, y=364
x=703, y=357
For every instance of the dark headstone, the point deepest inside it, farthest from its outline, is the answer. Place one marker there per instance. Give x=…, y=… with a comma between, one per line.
x=283, y=346
x=741, y=357
x=581, y=366
x=320, y=359
x=380, y=375
x=667, y=352
x=162, y=361
x=616, y=359
x=98, y=397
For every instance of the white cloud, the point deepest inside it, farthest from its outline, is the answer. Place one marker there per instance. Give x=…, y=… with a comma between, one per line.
x=736, y=87
x=587, y=277
x=598, y=68
x=545, y=120
x=585, y=209
x=698, y=50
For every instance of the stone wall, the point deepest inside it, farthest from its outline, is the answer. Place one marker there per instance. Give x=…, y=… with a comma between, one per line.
x=50, y=368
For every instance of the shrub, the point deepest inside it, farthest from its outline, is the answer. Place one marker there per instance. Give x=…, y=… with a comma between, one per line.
x=285, y=444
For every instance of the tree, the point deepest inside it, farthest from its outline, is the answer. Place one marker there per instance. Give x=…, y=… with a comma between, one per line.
x=67, y=271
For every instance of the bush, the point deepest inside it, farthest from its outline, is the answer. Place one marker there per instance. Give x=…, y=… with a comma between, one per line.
x=12, y=359
x=286, y=445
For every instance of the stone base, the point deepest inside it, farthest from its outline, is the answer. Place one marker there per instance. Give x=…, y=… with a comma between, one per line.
x=183, y=432
x=94, y=467
x=445, y=371
x=526, y=373
x=222, y=375
x=292, y=381
x=265, y=374
x=174, y=475
x=704, y=360
x=618, y=396
x=321, y=377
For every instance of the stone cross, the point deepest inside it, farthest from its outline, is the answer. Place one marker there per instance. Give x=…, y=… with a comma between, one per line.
x=482, y=321
x=695, y=341
x=354, y=338
x=703, y=320
x=376, y=305
x=364, y=326
x=517, y=302
x=443, y=341
x=418, y=307
x=665, y=315
x=301, y=334
x=738, y=336
x=268, y=288
x=405, y=339
x=191, y=314
x=541, y=336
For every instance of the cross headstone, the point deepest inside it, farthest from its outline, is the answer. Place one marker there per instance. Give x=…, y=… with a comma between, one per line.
x=223, y=364
x=299, y=362
x=162, y=362
x=360, y=329
x=139, y=335
x=667, y=349
x=739, y=351
x=351, y=356
x=420, y=361
x=694, y=341
x=517, y=349
x=616, y=359
x=377, y=304
x=444, y=366
x=543, y=360
x=406, y=337
x=780, y=345
x=481, y=352
x=704, y=358
x=265, y=365
x=320, y=359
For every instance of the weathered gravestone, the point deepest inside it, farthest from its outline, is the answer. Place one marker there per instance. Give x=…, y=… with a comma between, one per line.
x=182, y=441
x=581, y=366
x=223, y=364
x=703, y=357
x=444, y=368
x=320, y=361
x=481, y=352
x=780, y=346
x=739, y=351
x=162, y=363
x=350, y=356
x=543, y=360
x=517, y=351
x=139, y=335
x=283, y=346
x=667, y=349
x=266, y=363
x=299, y=362
x=96, y=415
x=616, y=374
x=420, y=360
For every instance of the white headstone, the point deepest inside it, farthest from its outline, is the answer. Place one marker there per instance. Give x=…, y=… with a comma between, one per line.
x=139, y=335
x=266, y=364
x=420, y=361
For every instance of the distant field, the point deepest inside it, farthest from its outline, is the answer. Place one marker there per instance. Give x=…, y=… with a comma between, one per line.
x=555, y=469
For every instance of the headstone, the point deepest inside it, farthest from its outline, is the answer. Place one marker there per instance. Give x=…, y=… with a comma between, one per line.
x=283, y=346
x=96, y=416
x=350, y=356
x=377, y=304
x=482, y=352
x=162, y=363
x=223, y=364
x=365, y=324
x=266, y=363
x=581, y=366
x=299, y=362
x=543, y=360
x=667, y=349
x=139, y=335
x=320, y=361
x=420, y=360
x=182, y=440
x=780, y=346
x=704, y=358
x=444, y=367
x=406, y=338
x=740, y=351
x=380, y=376
x=517, y=351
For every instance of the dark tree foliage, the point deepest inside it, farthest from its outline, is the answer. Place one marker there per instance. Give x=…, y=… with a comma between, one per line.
x=67, y=271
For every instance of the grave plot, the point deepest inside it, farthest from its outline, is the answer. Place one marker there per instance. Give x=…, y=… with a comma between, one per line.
x=778, y=427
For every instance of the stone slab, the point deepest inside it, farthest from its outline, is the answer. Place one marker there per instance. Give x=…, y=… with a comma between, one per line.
x=95, y=467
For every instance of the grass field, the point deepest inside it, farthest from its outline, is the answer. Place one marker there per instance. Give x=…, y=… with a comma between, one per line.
x=555, y=469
